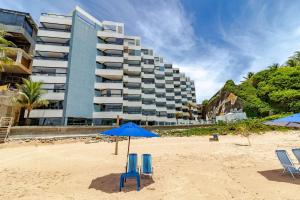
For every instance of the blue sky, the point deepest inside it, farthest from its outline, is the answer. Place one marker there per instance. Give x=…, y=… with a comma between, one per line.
x=210, y=40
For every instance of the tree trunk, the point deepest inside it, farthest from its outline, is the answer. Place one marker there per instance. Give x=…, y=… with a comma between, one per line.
x=27, y=121
x=249, y=141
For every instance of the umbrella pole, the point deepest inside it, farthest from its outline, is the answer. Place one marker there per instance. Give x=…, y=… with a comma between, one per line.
x=127, y=153
x=117, y=145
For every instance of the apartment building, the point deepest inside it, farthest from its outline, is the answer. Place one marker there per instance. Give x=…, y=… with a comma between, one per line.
x=93, y=74
x=21, y=30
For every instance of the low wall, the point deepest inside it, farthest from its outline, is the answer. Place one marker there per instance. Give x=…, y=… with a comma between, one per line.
x=74, y=130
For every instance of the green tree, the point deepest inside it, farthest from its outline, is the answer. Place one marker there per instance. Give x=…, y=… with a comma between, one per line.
x=30, y=96
x=274, y=66
x=190, y=106
x=178, y=115
x=249, y=75
x=243, y=130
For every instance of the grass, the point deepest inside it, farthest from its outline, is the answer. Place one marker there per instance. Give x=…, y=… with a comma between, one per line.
x=254, y=126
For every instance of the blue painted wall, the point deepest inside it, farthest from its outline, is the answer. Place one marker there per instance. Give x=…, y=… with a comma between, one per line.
x=81, y=68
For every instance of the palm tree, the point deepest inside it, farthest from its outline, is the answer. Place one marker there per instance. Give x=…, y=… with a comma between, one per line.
x=4, y=60
x=178, y=115
x=292, y=62
x=190, y=106
x=29, y=97
x=249, y=75
x=274, y=66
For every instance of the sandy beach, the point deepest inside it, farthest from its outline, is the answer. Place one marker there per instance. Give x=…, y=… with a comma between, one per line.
x=184, y=168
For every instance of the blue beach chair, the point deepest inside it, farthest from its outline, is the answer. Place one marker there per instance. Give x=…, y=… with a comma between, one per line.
x=288, y=165
x=296, y=152
x=132, y=171
x=146, y=168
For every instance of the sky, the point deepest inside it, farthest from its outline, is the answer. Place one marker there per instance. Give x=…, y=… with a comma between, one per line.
x=210, y=40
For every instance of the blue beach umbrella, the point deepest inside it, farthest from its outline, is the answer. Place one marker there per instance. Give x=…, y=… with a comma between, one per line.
x=291, y=121
x=129, y=130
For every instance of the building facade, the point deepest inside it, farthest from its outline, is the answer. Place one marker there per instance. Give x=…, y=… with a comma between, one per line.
x=93, y=74
x=21, y=30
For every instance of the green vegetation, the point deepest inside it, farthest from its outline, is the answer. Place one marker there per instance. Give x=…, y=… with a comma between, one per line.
x=30, y=96
x=4, y=60
x=271, y=91
x=244, y=128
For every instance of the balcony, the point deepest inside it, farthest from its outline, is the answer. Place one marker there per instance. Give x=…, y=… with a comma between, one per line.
x=129, y=116
x=176, y=75
x=132, y=103
x=50, y=63
x=132, y=79
x=131, y=57
x=49, y=79
x=169, y=86
x=103, y=47
x=54, y=96
x=148, y=66
x=108, y=86
x=113, y=74
x=109, y=34
x=148, y=56
x=148, y=86
x=54, y=34
x=158, y=72
x=161, y=109
x=108, y=114
x=144, y=75
x=160, y=99
x=108, y=100
x=148, y=96
x=51, y=48
x=149, y=107
x=132, y=91
x=21, y=61
x=45, y=113
x=112, y=59
x=177, y=89
x=53, y=19
x=171, y=111
x=169, y=70
x=169, y=78
x=176, y=82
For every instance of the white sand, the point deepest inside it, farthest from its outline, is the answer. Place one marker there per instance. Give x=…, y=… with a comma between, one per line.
x=184, y=168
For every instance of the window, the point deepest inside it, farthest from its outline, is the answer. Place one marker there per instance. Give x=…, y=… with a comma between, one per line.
x=133, y=52
x=148, y=61
x=132, y=110
x=49, y=71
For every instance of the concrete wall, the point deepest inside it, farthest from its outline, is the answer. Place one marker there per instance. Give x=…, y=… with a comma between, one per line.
x=69, y=130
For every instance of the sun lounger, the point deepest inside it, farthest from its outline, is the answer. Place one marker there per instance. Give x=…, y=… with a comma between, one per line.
x=296, y=152
x=288, y=165
x=132, y=171
x=146, y=168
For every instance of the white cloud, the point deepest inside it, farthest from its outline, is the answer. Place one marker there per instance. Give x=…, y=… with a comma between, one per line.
x=258, y=35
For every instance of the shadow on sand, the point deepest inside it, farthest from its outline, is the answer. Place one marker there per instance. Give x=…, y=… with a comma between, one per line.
x=276, y=175
x=110, y=183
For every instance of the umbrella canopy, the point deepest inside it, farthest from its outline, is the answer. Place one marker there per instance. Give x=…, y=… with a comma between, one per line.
x=130, y=130
x=291, y=121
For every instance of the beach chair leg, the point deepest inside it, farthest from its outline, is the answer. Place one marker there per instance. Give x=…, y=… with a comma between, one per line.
x=291, y=174
x=120, y=189
x=138, y=183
